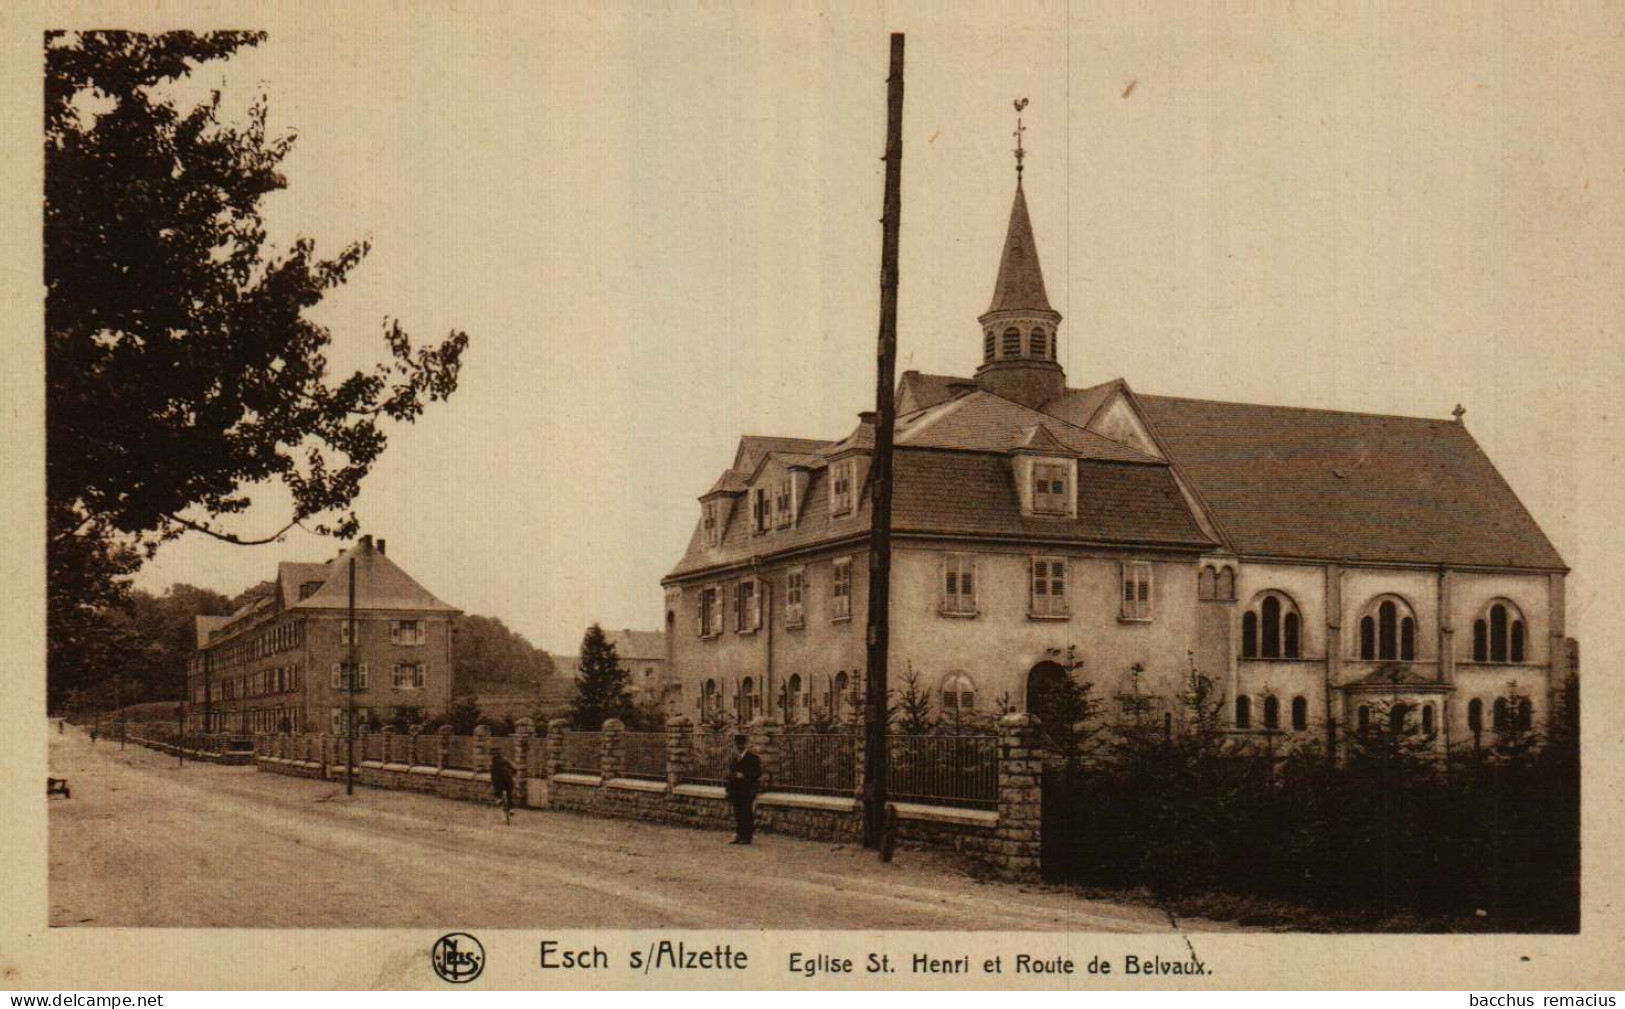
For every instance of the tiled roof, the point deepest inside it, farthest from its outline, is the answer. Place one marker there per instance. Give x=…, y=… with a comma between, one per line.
x=380, y=585
x=638, y=644
x=1079, y=406
x=753, y=446
x=730, y=482
x=292, y=574
x=974, y=493
x=983, y=422
x=207, y=625
x=922, y=390
x=1322, y=484
x=1021, y=280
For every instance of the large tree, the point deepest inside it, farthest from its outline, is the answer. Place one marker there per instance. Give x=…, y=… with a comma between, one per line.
x=181, y=366
x=486, y=653
x=602, y=692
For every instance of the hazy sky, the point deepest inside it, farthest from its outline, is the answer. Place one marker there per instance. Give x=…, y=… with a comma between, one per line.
x=660, y=230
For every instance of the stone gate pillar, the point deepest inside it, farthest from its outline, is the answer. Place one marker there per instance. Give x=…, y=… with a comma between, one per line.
x=1021, y=797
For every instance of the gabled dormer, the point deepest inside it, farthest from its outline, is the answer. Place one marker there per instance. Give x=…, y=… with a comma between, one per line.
x=849, y=461
x=717, y=507
x=1046, y=474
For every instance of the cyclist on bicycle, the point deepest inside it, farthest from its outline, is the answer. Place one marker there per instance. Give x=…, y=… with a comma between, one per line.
x=502, y=771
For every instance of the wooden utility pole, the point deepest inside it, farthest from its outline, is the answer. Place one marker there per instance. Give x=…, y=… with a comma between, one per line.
x=874, y=765
x=350, y=672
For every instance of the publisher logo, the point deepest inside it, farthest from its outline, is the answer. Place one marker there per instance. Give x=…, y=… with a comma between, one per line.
x=457, y=957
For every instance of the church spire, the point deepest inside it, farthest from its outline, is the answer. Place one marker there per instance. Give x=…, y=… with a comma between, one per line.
x=1019, y=327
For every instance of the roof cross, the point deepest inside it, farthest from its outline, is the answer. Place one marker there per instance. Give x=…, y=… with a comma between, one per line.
x=1020, y=152
x=1459, y=412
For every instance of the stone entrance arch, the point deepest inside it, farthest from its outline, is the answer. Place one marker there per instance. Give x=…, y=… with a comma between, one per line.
x=1045, y=682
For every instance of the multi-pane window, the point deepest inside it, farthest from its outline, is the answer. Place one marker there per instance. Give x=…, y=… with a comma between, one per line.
x=1271, y=629
x=408, y=676
x=407, y=632
x=958, y=695
x=783, y=505
x=344, y=631
x=759, y=509
x=842, y=476
x=710, y=612
x=958, y=583
x=795, y=584
x=341, y=682
x=1048, y=587
x=1500, y=638
x=1389, y=633
x=711, y=523
x=1050, y=494
x=1136, y=591
x=747, y=606
x=840, y=590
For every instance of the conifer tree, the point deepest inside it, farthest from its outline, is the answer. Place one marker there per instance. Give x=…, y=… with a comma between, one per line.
x=602, y=690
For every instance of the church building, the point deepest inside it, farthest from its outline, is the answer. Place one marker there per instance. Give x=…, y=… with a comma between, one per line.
x=1311, y=564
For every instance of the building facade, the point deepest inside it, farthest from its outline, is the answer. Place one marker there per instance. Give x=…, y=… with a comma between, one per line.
x=280, y=661
x=1314, y=567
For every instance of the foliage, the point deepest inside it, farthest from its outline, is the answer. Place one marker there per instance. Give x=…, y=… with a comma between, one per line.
x=602, y=690
x=485, y=652
x=1395, y=833
x=180, y=364
x=912, y=714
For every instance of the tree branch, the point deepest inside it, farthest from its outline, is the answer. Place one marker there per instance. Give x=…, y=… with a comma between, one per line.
x=231, y=538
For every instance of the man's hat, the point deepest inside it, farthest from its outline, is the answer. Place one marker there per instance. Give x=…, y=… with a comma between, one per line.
x=740, y=738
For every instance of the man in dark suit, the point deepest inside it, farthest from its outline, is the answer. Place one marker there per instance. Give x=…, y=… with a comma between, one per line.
x=744, y=776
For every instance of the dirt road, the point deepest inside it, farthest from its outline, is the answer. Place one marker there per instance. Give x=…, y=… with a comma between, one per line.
x=144, y=842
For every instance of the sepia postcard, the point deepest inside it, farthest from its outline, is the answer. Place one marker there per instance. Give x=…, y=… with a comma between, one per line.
x=812, y=496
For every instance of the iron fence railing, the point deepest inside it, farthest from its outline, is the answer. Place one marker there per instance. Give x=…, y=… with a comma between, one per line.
x=817, y=762
x=399, y=749
x=372, y=746
x=943, y=770
x=459, y=752
x=708, y=761
x=537, y=758
x=643, y=755
x=583, y=752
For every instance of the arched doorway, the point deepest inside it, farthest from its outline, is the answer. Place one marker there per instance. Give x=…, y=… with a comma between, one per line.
x=1046, y=688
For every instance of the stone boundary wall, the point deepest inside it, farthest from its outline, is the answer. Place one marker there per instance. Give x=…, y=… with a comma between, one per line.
x=209, y=749
x=1005, y=839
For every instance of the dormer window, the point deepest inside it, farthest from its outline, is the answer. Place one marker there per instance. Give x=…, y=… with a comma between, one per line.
x=783, y=502
x=711, y=523
x=1052, y=491
x=843, y=476
x=759, y=510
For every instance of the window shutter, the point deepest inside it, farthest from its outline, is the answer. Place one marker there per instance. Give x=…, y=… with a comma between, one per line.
x=361, y=677
x=338, y=676
x=968, y=566
x=756, y=616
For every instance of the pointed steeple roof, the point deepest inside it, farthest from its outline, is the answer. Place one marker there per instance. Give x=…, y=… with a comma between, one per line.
x=1021, y=279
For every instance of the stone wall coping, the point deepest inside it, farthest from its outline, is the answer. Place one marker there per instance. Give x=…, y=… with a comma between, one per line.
x=423, y=769
x=396, y=765
x=579, y=779
x=800, y=800
x=947, y=814
x=697, y=791
x=458, y=773
x=636, y=785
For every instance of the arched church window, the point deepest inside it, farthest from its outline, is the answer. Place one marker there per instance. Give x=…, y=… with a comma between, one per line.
x=1363, y=719
x=1475, y=715
x=792, y=689
x=1300, y=713
x=1427, y=719
x=1498, y=636
x=1039, y=345
x=1206, y=583
x=1226, y=588
x=1012, y=343
x=1244, y=712
x=1272, y=712
x=987, y=346
x=1273, y=623
x=1526, y=714
x=1396, y=718
x=1501, y=722
x=1388, y=630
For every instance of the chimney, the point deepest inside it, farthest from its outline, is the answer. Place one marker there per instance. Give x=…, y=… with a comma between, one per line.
x=381, y=546
x=868, y=418
x=366, y=544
